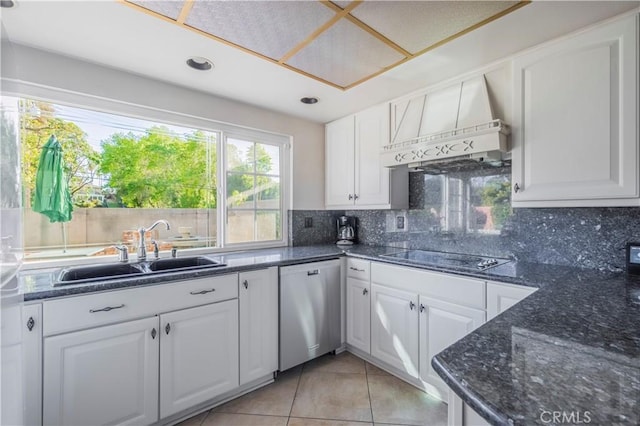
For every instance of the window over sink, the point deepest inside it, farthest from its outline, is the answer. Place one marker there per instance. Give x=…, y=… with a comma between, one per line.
x=126, y=172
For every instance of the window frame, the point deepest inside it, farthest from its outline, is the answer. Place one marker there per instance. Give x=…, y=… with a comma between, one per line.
x=111, y=106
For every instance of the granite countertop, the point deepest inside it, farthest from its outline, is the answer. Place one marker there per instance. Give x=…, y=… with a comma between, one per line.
x=571, y=349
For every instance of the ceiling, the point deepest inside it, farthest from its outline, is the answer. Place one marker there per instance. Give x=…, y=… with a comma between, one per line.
x=117, y=34
x=341, y=43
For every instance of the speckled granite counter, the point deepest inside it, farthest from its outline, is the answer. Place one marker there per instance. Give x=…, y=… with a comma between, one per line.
x=571, y=350
x=573, y=347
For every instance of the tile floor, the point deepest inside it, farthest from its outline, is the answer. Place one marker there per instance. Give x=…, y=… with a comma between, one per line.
x=340, y=390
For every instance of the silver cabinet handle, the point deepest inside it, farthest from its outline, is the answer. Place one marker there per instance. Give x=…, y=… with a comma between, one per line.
x=356, y=269
x=245, y=283
x=153, y=333
x=107, y=309
x=412, y=305
x=422, y=307
x=364, y=291
x=516, y=188
x=31, y=323
x=167, y=329
x=356, y=196
x=350, y=197
x=314, y=272
x=202, y=291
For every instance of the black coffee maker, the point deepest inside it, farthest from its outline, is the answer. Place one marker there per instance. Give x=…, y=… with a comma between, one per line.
x=346, y=227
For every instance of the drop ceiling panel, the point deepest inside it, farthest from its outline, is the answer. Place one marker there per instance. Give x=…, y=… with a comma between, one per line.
x=270, y=28
x=416, y=25
x=170, y=9
x=345, y=54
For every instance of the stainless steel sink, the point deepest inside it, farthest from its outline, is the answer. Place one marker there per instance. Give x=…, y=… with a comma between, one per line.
x=179, y=263
x=99, y=272
x=83, y=274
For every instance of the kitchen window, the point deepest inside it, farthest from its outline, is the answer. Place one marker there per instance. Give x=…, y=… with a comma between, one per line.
x=216, y=185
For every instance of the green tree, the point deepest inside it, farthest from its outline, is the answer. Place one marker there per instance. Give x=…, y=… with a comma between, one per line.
x=497, y=193
x=160, y=169
x=241, y=185
x=37, y=123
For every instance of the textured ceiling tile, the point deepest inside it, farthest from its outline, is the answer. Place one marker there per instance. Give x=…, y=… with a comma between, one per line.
x=416, y=25
x=344, y=54
x=271, y=28
x=170, y=9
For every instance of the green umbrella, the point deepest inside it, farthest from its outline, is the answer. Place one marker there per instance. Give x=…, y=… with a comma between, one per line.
x=52, y=197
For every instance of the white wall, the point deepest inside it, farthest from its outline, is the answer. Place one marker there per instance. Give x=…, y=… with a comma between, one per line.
x=38, y=67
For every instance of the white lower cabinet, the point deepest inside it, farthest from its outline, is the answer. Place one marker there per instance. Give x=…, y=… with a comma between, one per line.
x=258, y=295
x=394, y=328
x=107, y=367
x=415, y=314
x=359, y=314
x=198, y=355
x=104, y=375
x=442, y=324
x=501, y=297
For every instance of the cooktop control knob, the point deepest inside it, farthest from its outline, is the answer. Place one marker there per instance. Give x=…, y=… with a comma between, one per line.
x=487, y=263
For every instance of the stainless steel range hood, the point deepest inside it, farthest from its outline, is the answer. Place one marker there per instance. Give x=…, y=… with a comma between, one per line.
x=452, y=124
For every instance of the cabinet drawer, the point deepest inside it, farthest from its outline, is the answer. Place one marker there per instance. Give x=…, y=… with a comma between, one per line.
x=76, y=313
x=447, y=287
x=358, y=268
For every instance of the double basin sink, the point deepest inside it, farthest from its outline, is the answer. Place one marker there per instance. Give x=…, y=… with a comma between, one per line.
x=82, y=274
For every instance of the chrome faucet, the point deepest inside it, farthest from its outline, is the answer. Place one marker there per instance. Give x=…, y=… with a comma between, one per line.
x=142, y=244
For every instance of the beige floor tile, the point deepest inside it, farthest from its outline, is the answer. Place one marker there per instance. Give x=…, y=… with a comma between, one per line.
x=394, y=401
x=344, y=362
x=194, y=421
x=332, y=396
x=297, y=421
x=275, y=399
x=373, y=370
x=228, y=419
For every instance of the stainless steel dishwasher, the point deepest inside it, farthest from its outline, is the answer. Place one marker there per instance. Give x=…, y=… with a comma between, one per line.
x=309, y=311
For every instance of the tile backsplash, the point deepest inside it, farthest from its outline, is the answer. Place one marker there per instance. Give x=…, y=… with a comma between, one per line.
x=582, y=237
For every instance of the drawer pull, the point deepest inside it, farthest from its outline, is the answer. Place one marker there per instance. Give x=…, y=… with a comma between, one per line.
x=107, y=309
x=202, y=291
x=356, y=269
x=30, y=323
x=314, y=272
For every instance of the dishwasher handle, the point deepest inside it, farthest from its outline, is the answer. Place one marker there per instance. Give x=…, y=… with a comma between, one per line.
x=314, y=272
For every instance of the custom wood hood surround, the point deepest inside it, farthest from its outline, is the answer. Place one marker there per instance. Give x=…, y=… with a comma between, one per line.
x=341, y=43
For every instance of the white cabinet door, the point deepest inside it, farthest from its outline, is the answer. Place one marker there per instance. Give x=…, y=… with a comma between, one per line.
x=339, y=162
x=394, y=328
x=359, y=314
x=501, y=297
x=575, y=129
x=258, y=324
x=371, y=178
x=32, y=363
x=105, y=375
x=198, y=355
x=442, y=324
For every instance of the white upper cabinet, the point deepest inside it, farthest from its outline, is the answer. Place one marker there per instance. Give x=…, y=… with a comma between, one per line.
x=354, y=175
x=575, y=129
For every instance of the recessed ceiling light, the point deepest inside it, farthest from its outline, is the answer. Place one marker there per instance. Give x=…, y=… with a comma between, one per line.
x=309, y=101
x=199, y=63
x=7, y=3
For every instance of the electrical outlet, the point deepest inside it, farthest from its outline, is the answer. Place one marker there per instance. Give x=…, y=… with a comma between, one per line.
x=308, y=222
x=399, y=222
